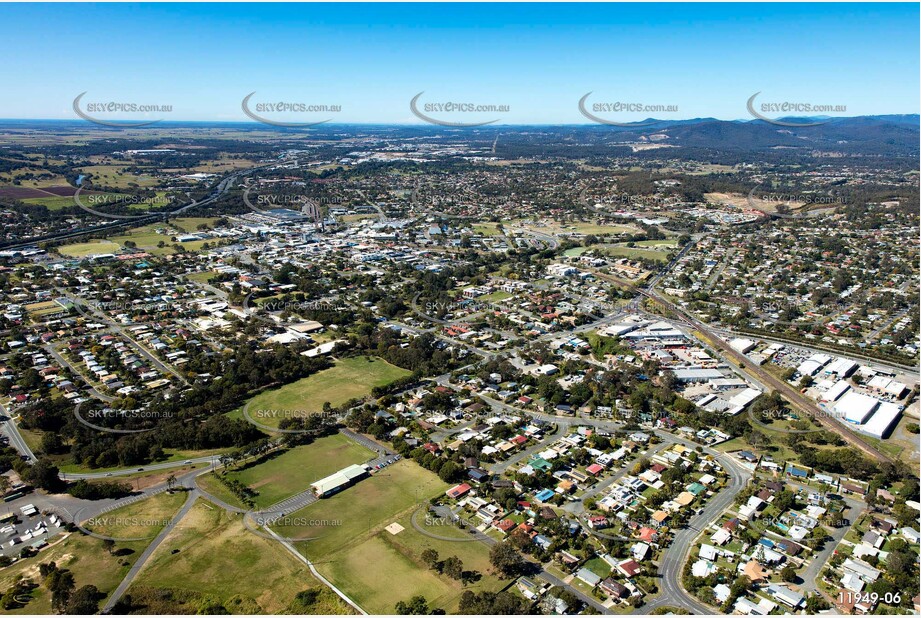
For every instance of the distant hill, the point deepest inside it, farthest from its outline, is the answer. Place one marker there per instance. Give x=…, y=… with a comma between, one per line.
x=881, y=135
x=884, y=135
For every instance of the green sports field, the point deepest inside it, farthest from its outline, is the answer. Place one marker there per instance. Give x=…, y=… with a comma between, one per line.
x=350, y=535
x=347, y=379
x=293, y=471
x=93, y=247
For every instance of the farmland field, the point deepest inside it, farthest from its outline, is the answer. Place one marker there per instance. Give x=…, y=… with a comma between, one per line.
x=116, y=176
x=347, y=379
x=59, y=202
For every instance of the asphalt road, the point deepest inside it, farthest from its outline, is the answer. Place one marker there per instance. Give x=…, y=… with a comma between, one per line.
x=148, y=552
x=10, y=429
x=146, y=468
x=671, y=566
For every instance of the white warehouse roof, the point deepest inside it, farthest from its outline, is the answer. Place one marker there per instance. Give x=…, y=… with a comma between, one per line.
x=839, y=388
x=856, y=407
x=884, y=417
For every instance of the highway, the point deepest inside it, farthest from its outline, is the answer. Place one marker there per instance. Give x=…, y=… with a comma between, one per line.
x=222, y=187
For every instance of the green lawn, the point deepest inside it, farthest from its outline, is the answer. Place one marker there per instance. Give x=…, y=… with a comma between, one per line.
x=147, y=239
x=349, y=378
x=635, y=253
x=87, y=557
x=210, y=559
x=293, y=471
x=202, y=277
x=139, y=520
x=358, y=511
x=485, y=229
x=595, y=228
x=665, y=243
x=495, y=296
x=190, y=224
x=599, y=567
x=93, y=247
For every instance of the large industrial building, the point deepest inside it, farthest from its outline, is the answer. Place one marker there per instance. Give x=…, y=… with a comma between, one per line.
x=867, y=414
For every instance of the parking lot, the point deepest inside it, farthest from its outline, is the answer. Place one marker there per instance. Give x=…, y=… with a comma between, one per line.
x=24, y=525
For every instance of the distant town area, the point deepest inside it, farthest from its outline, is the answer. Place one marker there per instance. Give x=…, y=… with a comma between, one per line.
x=395, y=370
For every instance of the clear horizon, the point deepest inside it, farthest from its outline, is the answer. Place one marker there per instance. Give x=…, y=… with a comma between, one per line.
x=538, y=60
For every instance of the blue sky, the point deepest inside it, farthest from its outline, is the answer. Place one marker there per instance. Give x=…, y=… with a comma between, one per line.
x=538, y=59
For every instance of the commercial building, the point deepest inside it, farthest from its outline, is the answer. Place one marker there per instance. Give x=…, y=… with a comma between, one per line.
x=856, y=407
x=885, y=417
x=340, y=480
x=697, y=375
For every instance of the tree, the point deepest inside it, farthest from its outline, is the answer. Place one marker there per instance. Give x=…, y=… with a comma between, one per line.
x=453, y=567
x=170, y=482
x=84, y=601
x=451, y=471
x=430, y=558
x=416, y=606
x=491, y=603
x=52, y=443
x=740, y=586
x=788, y=573
x=815, y=603
x=308, y=597
x=61, y=584
x=506, y=560
x=44, y=475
